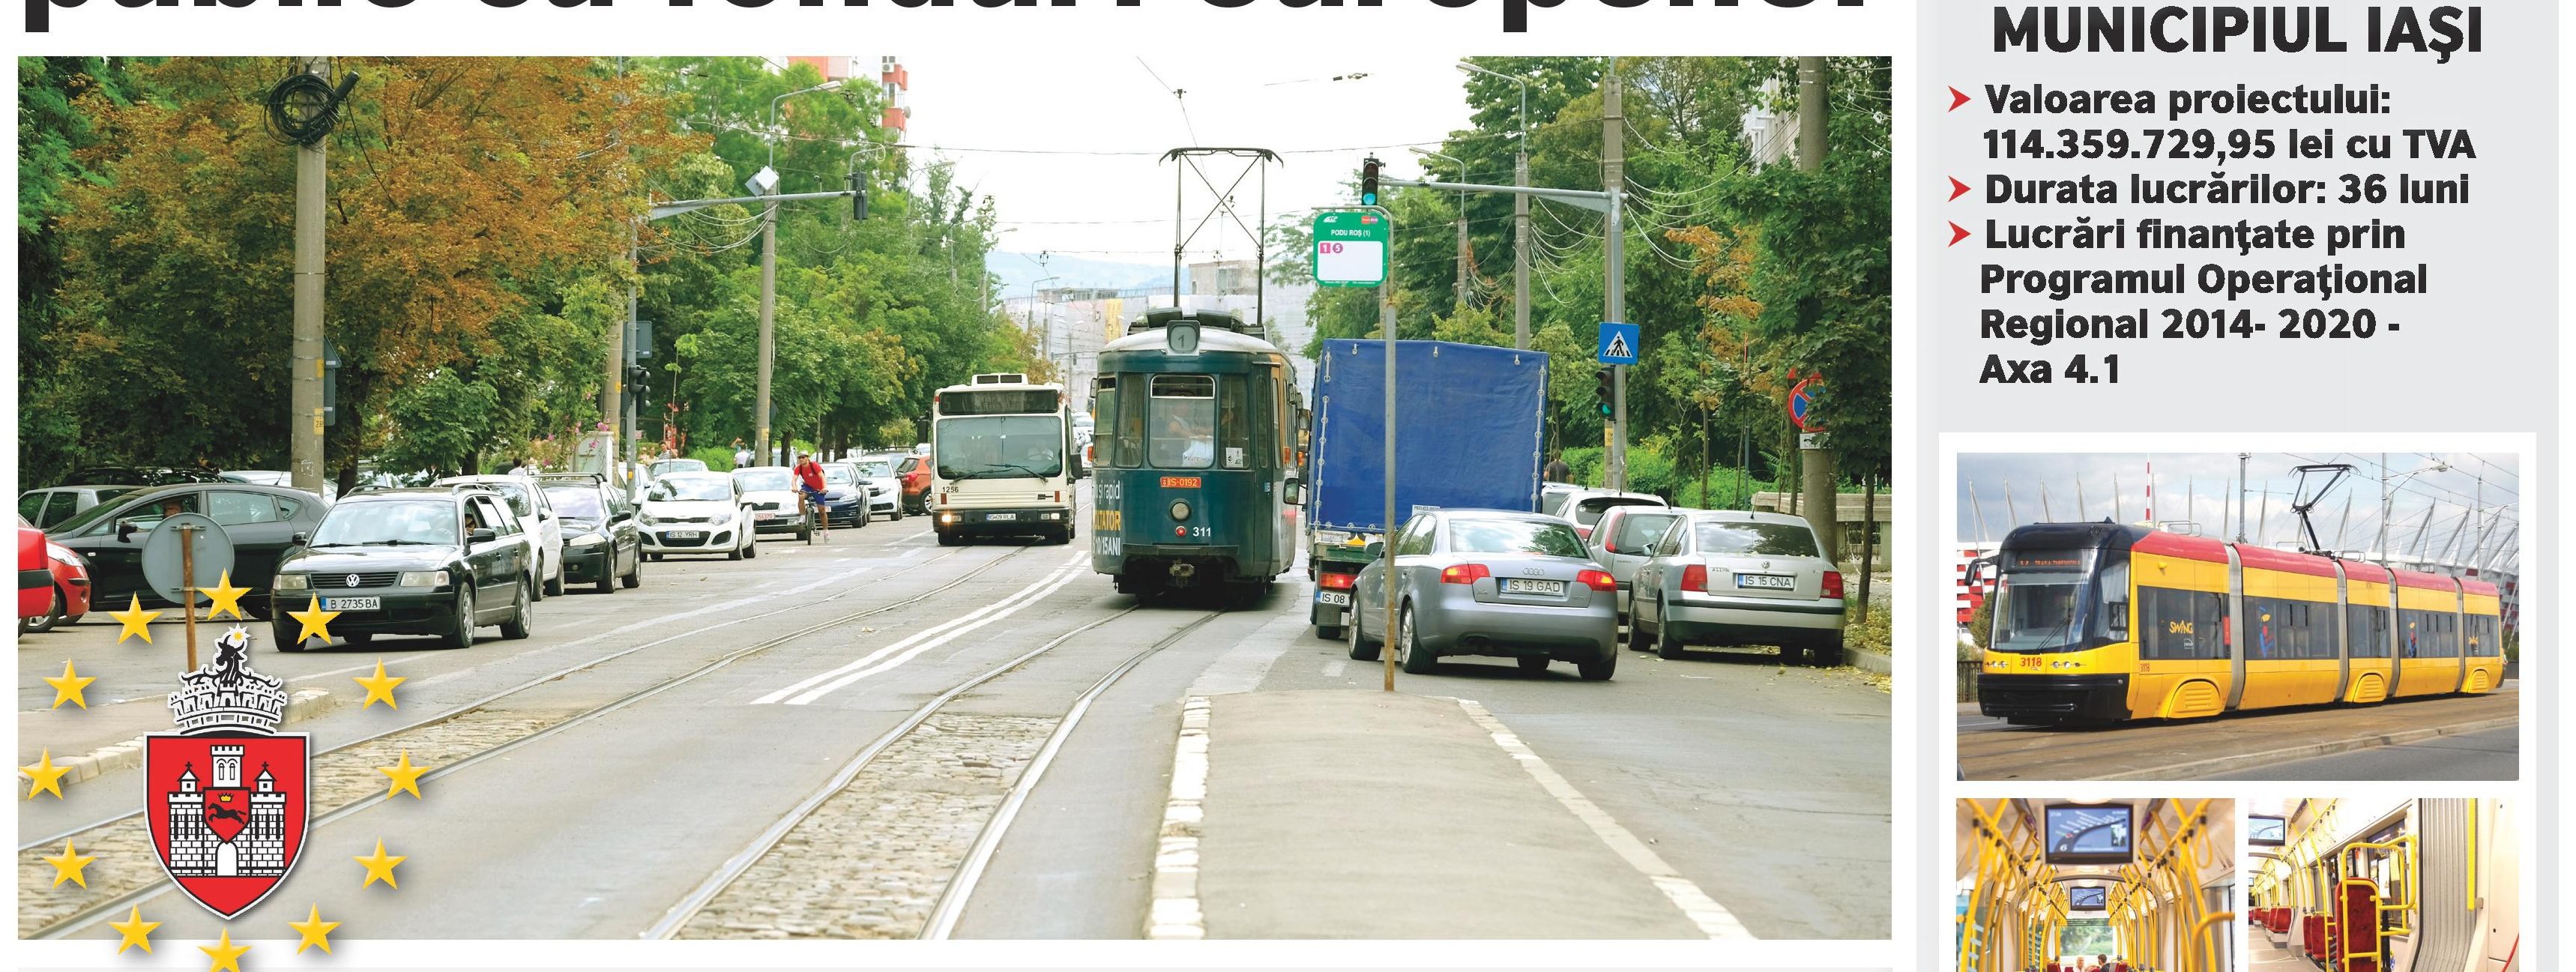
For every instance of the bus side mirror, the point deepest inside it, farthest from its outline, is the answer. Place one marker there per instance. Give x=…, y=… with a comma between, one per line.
x=1293, y=493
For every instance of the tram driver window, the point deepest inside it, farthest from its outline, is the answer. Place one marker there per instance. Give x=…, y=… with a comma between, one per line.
x=1183, y=423
x=1127, y=444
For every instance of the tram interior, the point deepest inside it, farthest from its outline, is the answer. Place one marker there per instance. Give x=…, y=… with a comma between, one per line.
x=2065, y=885
x=2385, y=885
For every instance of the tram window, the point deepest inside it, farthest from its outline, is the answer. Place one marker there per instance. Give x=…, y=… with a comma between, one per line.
x=1183, y=424
x=2181, y=624
x=1128, y=445
x=1104, y=403
x=2368, y=631
x=1233, y=426
x=2113, y=620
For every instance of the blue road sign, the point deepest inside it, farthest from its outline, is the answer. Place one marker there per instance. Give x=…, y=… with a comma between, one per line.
x=1618, y=343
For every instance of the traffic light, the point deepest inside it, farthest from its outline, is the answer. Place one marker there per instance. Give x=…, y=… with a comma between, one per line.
x=858, y=197
x=1601, y=391
x=1368, y=181
x=635, y=378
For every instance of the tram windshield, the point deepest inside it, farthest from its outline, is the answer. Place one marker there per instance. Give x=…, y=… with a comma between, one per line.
x=1001, y=447
x=2054, y=600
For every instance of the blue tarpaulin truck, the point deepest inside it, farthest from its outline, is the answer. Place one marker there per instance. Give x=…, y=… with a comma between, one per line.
x=1468, y=425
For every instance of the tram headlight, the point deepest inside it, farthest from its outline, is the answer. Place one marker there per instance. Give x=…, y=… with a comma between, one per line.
x=1180, y=509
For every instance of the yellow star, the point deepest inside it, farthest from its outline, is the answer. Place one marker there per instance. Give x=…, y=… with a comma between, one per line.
x=68, y=688
x=134, y=618
x=69, y=865
x=405, y=777
x=226, y=597
x=47, y=776
x=315, y=931
x=317, y=622
x=226, y=955
x=136, y=931
x=380, y=867
x=379, y=687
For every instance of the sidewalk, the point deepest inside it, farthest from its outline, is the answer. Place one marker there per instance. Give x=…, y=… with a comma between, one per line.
x=1467, y=844
x=104, y=738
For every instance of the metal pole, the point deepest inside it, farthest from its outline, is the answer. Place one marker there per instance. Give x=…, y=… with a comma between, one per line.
x=187, y=586
x=768, y=338
x=619, y=355
x=1386, y=547
x=1613, y=266
x=312, y=179
x=2242, y=459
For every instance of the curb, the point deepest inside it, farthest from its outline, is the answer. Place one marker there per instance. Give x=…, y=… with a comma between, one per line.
x=1869, y=661
x=305, y=704
x=1174, y=912
x=2224, y=764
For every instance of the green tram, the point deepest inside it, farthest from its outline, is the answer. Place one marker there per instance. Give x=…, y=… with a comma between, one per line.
x=1195, y=467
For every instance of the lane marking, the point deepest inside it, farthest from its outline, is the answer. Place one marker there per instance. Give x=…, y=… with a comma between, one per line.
x=1333, y=667
x=916, y=536
x=806, y=690
x=1175, y=912
x=1703, y=911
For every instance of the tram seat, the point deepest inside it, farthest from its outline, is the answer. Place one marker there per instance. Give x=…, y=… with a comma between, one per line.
x=2312, y=935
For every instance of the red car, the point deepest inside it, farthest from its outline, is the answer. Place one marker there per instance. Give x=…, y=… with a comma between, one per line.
x=53, y=583
x=914, y=471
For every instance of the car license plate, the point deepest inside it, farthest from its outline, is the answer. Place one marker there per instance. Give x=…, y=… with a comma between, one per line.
x=1516, y=585
x=684, y=534
x=765, y=516
x=1772, y=581
x=1001, y=516
x=1336, y=598
x=353, y=603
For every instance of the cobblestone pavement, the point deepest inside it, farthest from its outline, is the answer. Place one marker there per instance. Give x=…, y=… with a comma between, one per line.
x=873, y=860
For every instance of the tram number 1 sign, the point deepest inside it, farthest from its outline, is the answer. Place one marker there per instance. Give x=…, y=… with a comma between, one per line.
x=1350, y=248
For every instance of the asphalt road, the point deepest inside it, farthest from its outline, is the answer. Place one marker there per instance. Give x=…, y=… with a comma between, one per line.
x=2490, y=754
x=645, y=744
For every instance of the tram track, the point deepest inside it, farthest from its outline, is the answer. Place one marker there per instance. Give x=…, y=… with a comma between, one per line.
x=452, y=740
x=836, y=837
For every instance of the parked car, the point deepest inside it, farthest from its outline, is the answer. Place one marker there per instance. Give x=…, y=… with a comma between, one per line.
x=140, y=475
x=1584, y=507
x=536, y=518
x=1552, y=494
x=1488, y=582
x=885, y=483
x=665, y=467
x=845, y=495
x=421, y=561
x=275, y=477
x=602, y=544
x=53, y=585
x=914, y=472
x=1622, y=540
x=54, y=504
x=771, y=493
x=261, y=521
x=696, y=513
x=1738, y=578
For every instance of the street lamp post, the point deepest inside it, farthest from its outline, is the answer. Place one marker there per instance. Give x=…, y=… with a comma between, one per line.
x=1520, y=213
x=1461, y=288
x=762, y=184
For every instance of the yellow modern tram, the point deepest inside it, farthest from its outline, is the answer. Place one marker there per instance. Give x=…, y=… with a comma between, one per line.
x=2099, y=622
x=2115, y=885
x=2366, y=885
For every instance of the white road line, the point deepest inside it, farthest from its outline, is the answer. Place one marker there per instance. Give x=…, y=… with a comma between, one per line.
x=916, y=536
x=1704, y=911
x=1333, y=667
x=1175, y=912
x=922, y=641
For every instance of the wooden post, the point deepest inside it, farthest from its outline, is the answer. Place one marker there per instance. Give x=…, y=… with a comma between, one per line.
x=187, y=586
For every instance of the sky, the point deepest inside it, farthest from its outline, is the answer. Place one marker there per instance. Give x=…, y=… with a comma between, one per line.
x=1119, y=208
x=2205, y=483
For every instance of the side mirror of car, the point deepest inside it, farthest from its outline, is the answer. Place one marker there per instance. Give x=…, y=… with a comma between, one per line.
x=482, y=535
x=124, y=531
x=299, y=539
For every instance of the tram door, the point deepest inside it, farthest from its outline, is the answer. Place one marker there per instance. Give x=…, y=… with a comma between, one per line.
x=1275, y=421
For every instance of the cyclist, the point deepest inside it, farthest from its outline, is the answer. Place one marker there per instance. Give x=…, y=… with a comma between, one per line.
x=809, y=488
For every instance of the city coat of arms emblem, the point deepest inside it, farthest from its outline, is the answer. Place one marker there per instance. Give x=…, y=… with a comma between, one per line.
x=227, y=796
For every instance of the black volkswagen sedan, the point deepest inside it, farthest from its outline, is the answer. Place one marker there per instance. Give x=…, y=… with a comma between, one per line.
x=430, y=561
x=261, y=521
x=601, y=543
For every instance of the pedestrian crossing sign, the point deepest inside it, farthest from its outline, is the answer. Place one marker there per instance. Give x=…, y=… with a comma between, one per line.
x=1618, y=343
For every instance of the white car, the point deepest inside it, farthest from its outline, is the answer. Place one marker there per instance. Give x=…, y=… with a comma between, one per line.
x=885, y=494
x=536, y=519
x=695, y=513
x=770, y=491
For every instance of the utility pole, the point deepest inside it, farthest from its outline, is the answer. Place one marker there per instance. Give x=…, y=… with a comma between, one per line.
x=768, y=338
x=1614, y=175
x=312, y=180
x=2243, y=459
x=1386, y=329
x=619, y=355
x=1816, y=464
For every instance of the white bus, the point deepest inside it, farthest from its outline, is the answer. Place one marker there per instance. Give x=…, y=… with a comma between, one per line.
x=1003, y=461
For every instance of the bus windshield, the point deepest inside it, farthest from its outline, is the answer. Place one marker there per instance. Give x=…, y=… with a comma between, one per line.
x=1000, y=447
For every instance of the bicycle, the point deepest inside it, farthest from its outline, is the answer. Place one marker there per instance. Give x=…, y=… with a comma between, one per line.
x=817, y=521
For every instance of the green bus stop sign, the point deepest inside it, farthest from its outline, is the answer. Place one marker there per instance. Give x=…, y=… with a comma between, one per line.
x=1351, y=248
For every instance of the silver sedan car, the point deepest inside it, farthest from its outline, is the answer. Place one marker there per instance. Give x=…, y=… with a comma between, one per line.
x=1738, y=578
x=1489, y=582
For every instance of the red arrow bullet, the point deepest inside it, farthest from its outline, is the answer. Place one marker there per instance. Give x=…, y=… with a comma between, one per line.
x=1957, y=188
x=1957, y=98
x=1957, y=233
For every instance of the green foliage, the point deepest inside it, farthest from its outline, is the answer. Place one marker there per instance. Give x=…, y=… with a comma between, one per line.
x=442, y=421
x=1981, y=629
x=717, y=458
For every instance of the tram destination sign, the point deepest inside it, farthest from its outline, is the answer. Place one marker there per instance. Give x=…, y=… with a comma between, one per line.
x=1351, y=248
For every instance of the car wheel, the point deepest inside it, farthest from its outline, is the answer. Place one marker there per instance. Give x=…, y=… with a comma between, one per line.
x=734, y=554
x=555, y=587
x=523, y=617
x=1792, y=654
x=656, y=558
x=285, y=635
x=950, y=539
x=1362, y=649
x=360, y=639
x=53, y=615
x=1533, y=663
x=462, y=634
x=258, y=611
x=1665, y=644
x=634, y=575
x=1826, y=652
x=1637, y=628
x=607, y=580
x=1408, y=645
x=752, y=549
x=1599, y=669
x=898, y=513
x=1061, y=536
